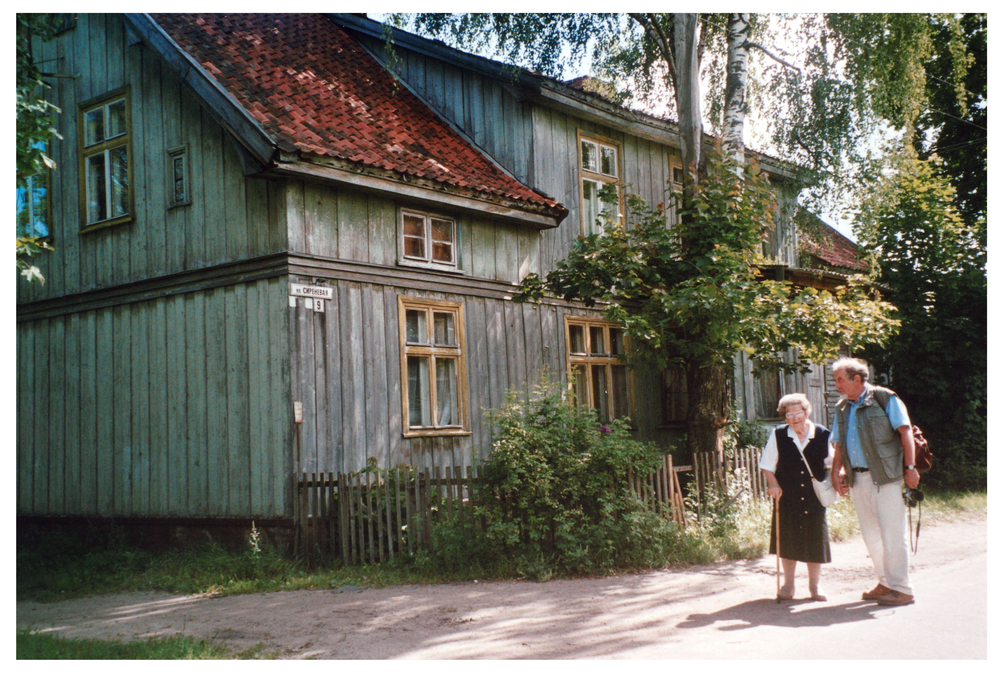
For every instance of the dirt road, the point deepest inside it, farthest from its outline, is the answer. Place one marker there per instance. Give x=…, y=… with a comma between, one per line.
x=723, y=611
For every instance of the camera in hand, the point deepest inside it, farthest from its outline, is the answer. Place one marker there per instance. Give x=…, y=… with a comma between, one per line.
x=912, y=496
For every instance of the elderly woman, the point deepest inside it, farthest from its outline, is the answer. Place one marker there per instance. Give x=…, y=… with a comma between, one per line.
x=803, y=530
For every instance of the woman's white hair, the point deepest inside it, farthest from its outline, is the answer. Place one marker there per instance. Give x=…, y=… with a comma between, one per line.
x=796, y=398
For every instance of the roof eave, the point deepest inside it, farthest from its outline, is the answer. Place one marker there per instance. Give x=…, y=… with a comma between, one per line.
x=427, y=192
x=522, y=80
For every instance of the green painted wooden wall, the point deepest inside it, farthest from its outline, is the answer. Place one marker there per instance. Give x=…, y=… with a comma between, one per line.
x=176, y=406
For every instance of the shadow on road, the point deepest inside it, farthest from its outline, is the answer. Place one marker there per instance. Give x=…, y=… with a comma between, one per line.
x=802, y=613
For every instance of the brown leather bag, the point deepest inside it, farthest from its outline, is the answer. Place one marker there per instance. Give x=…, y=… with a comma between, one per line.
x=922, y=458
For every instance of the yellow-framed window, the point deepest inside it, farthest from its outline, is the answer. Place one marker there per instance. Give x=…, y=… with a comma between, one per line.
x=105, y=161
x=432, y=347
x=599, y=378
x=600, y=166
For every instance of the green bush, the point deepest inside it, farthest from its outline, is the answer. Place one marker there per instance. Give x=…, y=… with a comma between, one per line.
x=554, y=496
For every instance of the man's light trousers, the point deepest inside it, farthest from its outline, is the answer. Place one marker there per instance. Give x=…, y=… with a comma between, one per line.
x=882, y=518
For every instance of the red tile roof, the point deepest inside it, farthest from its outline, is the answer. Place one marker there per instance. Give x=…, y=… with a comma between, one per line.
x=830, y=246
x=316, y=91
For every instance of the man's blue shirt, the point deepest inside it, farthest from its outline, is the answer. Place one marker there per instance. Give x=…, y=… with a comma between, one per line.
x=895, y=410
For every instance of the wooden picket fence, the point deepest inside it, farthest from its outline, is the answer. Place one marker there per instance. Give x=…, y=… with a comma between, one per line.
x=378, y=514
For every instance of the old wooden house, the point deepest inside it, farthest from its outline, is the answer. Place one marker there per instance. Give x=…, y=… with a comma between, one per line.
x=272, y=255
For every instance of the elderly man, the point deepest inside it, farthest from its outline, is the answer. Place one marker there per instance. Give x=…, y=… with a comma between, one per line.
x=875, y=461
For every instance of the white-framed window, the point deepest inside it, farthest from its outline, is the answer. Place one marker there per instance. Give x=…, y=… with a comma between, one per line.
x=105, y=166
x=432, y=346
x=34, y=205
x=599, y=167
x=178, y=183
x=428, y=240
x=599, y=378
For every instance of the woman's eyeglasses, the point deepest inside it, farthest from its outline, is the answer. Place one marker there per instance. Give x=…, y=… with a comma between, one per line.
x=795, y=414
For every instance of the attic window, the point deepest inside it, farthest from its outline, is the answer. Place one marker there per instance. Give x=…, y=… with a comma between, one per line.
x=599, y=168
x=429, y=240
x=676, y=177
x=105, y=169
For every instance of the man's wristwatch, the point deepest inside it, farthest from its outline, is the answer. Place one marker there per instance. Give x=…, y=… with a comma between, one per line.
x=911, y=467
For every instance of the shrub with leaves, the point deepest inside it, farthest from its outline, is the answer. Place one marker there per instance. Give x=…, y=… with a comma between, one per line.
x=555, y=496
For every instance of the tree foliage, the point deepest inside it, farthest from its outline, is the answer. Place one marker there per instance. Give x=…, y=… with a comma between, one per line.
x=953, y=125
x=692, y=294
x=936, y=266
x=925, y=225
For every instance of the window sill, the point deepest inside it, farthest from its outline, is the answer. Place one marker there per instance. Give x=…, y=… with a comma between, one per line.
x=439, y=432
x=430, y=266
x=93, y=227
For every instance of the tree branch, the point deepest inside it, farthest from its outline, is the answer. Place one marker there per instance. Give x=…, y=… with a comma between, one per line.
x=775, y=57
x=655, y=32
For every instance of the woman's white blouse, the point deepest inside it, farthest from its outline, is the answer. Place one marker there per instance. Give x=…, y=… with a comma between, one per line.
x=769, y=456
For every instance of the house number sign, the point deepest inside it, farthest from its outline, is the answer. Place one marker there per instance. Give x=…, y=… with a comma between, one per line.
x=314, y=296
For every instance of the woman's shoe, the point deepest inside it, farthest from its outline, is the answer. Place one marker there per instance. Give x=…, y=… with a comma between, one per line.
x=816, y=594
x=786, y=593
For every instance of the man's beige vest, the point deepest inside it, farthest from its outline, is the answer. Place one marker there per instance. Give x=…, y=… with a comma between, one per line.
x=880, y=443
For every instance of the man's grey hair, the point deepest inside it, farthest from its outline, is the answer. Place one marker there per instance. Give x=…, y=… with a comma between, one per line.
x=795, y=399
x=852, y=367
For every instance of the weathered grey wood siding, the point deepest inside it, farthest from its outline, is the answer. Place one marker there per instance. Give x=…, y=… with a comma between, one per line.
x=228, y=216
x=351, y=225
x=346, y=371
x=175, y=406
x=645, y=171
x=536, y=144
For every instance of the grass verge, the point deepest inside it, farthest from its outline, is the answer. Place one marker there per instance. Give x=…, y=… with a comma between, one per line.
x=40, y=646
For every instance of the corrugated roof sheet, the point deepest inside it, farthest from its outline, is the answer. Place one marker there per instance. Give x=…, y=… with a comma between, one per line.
x=316, y=91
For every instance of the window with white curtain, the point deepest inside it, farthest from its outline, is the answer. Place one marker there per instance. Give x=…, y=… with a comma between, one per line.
x=432, y=337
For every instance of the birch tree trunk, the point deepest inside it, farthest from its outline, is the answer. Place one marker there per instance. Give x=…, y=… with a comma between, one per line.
x=737, y=56
x=709, y=407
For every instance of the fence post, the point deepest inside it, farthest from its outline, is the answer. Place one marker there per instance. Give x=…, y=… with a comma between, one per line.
x=418, y=512
x=388, y=512
x=399, y=511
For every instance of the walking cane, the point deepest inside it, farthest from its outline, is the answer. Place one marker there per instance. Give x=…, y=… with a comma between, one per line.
x=777, y=552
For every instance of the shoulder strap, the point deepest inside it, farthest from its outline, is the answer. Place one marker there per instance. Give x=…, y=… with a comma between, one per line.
x=808, y=468
x=882, y=395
